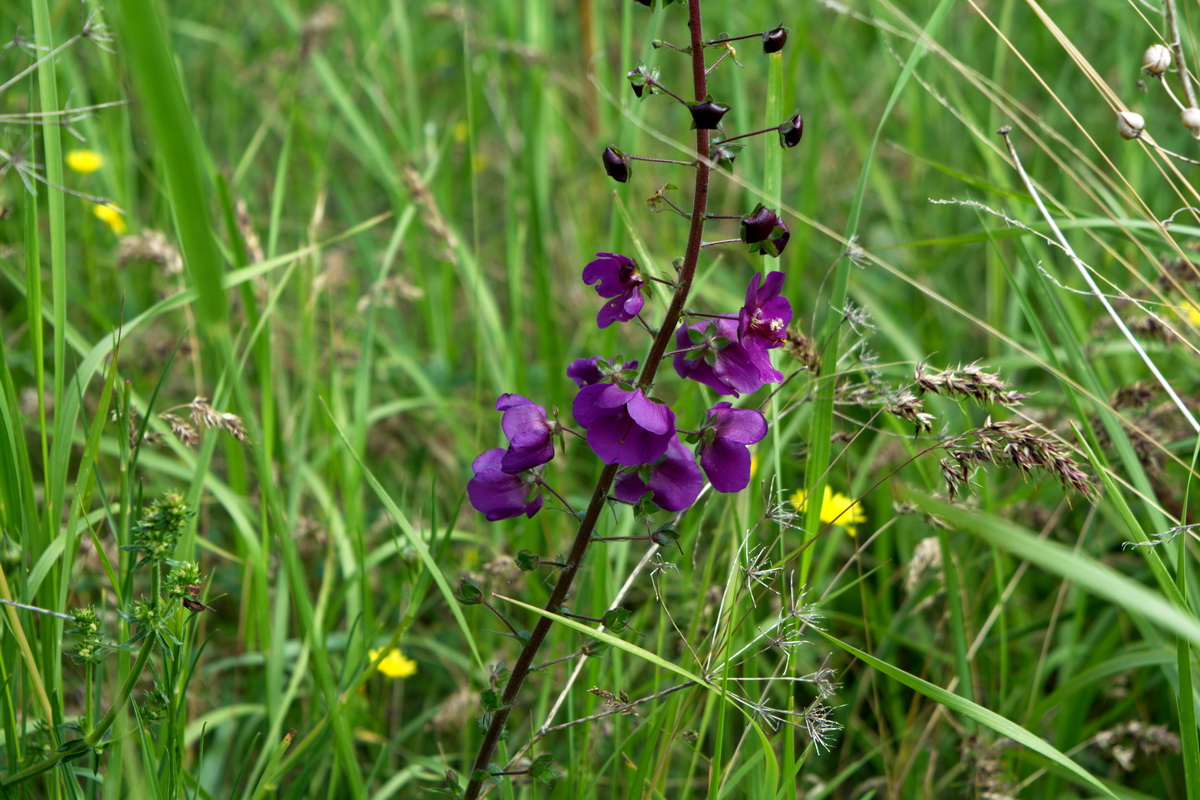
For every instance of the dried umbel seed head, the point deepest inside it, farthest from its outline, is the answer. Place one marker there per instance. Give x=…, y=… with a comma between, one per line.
x=1130, y=125
x=1157, y=59
x=774, y=39
x=1190, y=117
x=707, y=114
x=791, y=131
x=617, y=164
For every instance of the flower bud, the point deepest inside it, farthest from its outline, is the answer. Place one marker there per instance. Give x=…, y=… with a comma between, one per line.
x=469, y=592
x=1190, y=117
x=1157, y=59
x=757, y=225
x=617, y=164
x=724, y=154
x=791, y=131
x=1130, y=125
x=707, y=115
x=765, y=232
x=642, y=80
x=774, y=39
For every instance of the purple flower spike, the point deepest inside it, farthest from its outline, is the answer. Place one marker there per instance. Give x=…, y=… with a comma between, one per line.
x=623, y=425
x=586, y=371
x=498, y=494
x=715, y=358
x=675, y=480
x=529, y=431
x=723, y=451
x=615, y=276
x=763, y=321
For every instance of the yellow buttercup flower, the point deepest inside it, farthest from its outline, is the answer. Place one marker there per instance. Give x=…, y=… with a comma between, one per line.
x=85, y=161
x=1191, y=312
x=111, y=217
x=394, y=664
x=834, y=508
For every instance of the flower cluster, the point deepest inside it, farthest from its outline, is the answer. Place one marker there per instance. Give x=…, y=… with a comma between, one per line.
x=624, y=425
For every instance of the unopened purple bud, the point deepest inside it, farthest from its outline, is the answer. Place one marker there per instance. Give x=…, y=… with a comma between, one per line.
x=617, y=164
x=707, y=114
x=774, y=39
x=791, y=131
x=759, y=224
x=774, y=245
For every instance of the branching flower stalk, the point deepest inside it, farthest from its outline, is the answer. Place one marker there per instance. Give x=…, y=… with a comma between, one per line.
x=666, y=331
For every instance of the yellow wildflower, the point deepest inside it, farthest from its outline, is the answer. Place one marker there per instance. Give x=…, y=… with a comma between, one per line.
x=111, y=217
x=1191, y=312
x=394, y=664
x=85, y=161
x=834, y=508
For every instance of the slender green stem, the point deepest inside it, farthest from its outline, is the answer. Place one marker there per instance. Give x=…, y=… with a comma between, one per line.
x=97, y=733
x=666, y=332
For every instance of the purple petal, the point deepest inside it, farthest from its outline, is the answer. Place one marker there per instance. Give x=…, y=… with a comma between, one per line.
x=584, y=372
x=736, y=368
x=496, y=494
x=677, y=481
x=605, y=273
x=613, y=396
x=585, y=407
x=654, y=417
x=611, y=312
x=761, y=360
x=617, y=439
x=739, y=425
x=629, y=487
x=727, y=465
x=506, y=401
x=518, y=459
x=633, y=304
x=526, y=425
x=488, y=459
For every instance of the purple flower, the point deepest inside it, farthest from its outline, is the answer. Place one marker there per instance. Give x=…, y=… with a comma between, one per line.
x=723, y=451
x=623, y=425
x=763, y=321
x=498, y=494
x=675, y=480
x=586, y=371
x=709, y=352
x=615, y=276
x=529, y=431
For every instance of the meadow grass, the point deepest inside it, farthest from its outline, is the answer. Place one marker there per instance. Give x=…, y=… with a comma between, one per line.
x=350, y=227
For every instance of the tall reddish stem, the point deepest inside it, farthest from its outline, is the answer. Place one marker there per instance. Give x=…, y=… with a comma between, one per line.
x=566, y=576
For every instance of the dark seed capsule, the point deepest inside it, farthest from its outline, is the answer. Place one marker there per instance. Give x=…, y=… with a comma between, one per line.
x=616, y=164
x=774, y=39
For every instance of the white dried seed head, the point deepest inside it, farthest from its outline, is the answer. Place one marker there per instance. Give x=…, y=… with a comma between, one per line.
x=1157, y=59
x=1130, y=125
x=1190, y=117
